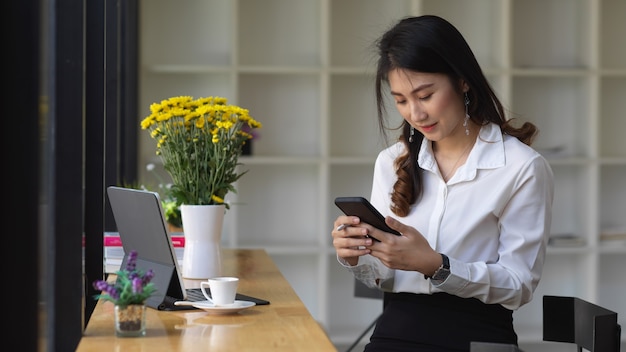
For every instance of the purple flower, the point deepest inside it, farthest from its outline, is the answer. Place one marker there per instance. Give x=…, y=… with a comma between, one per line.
x=132, y=261
x=137, y=285
x=106, y=287
x=148, y=277
x=100, y=285
x=133, y=275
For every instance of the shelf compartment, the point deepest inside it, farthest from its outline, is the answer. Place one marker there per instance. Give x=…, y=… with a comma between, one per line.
x=200, y=35
x=551, y=33
x=612, y=29
x=569, y=213
x=158, y=86
x=279, y=33
x=501, y=88
x=353, y=37
x=613, y=195
x=348, y=181
x=289, y=112
x=353, y=122
x=351, y=180
x=484, y=37
x=612, y=117
x=560, y=108
x=288, y=193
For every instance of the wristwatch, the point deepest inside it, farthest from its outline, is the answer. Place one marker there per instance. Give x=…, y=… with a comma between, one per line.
x=444, y=270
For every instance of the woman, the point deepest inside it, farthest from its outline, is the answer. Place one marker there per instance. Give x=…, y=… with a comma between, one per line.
x=471, y=198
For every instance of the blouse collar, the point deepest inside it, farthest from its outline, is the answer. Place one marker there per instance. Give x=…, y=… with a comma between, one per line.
x=487, y=153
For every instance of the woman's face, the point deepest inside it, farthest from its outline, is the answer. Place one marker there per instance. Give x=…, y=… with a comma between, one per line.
x=429, y=102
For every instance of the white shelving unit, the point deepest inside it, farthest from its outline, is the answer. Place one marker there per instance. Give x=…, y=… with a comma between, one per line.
x=304, y=68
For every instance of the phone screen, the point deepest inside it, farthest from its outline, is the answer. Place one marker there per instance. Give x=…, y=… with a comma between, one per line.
x=361, y=207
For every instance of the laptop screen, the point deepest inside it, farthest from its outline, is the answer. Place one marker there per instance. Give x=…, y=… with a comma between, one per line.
x=142, y=227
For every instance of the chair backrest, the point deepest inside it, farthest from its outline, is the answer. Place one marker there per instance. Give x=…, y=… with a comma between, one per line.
x=361, y=290
x=573, y=320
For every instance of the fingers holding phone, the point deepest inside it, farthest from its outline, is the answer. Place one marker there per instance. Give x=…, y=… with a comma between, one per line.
x=349, y=239
x=362, y=208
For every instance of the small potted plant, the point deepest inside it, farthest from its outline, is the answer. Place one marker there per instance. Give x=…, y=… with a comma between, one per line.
x=129, y=293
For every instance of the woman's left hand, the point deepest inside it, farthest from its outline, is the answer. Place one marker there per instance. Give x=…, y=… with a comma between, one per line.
x=410, y=252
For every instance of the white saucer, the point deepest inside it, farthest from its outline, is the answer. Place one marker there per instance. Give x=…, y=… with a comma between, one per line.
x=229, y=309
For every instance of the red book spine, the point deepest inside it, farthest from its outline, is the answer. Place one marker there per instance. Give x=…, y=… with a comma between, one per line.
x=178, y=241
x=114, y=241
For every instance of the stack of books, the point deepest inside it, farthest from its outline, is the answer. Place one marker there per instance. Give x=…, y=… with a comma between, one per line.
x=114, y=252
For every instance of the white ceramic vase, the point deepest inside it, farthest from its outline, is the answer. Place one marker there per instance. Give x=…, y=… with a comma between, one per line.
x=202, y=227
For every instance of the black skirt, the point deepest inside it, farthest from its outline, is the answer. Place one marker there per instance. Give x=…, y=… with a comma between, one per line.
x=439, y=322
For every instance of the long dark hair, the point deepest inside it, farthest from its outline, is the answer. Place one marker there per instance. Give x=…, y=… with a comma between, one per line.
x=431, y=44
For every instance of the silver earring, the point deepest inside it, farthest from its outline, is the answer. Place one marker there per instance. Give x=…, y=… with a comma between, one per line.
x=465, y=124
x=411, y=133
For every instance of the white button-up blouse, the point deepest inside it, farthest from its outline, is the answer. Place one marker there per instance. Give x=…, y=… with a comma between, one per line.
x=492, y=219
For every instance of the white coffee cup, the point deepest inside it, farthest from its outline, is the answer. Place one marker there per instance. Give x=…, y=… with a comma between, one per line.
x=223, y=290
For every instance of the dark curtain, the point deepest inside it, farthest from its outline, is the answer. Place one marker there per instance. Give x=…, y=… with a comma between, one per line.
x=20, y=170
x=70, y=80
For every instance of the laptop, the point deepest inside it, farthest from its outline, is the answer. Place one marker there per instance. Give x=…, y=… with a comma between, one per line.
x=142, y=227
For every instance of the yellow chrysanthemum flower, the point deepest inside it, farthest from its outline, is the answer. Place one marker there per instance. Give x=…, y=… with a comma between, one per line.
x=199, y=142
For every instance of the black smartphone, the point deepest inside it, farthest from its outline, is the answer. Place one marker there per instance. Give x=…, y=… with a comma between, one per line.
x=361, y=207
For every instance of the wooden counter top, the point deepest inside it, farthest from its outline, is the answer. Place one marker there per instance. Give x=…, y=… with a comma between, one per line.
x=283, y=325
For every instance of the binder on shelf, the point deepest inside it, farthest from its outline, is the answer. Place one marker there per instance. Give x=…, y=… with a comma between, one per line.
x=566, y=240
x=613, y=235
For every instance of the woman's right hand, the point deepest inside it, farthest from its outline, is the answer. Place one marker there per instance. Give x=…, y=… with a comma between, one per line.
x=350, y=239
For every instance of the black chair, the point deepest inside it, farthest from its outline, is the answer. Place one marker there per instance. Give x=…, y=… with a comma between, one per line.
x=360, y=290
x=573, y=320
